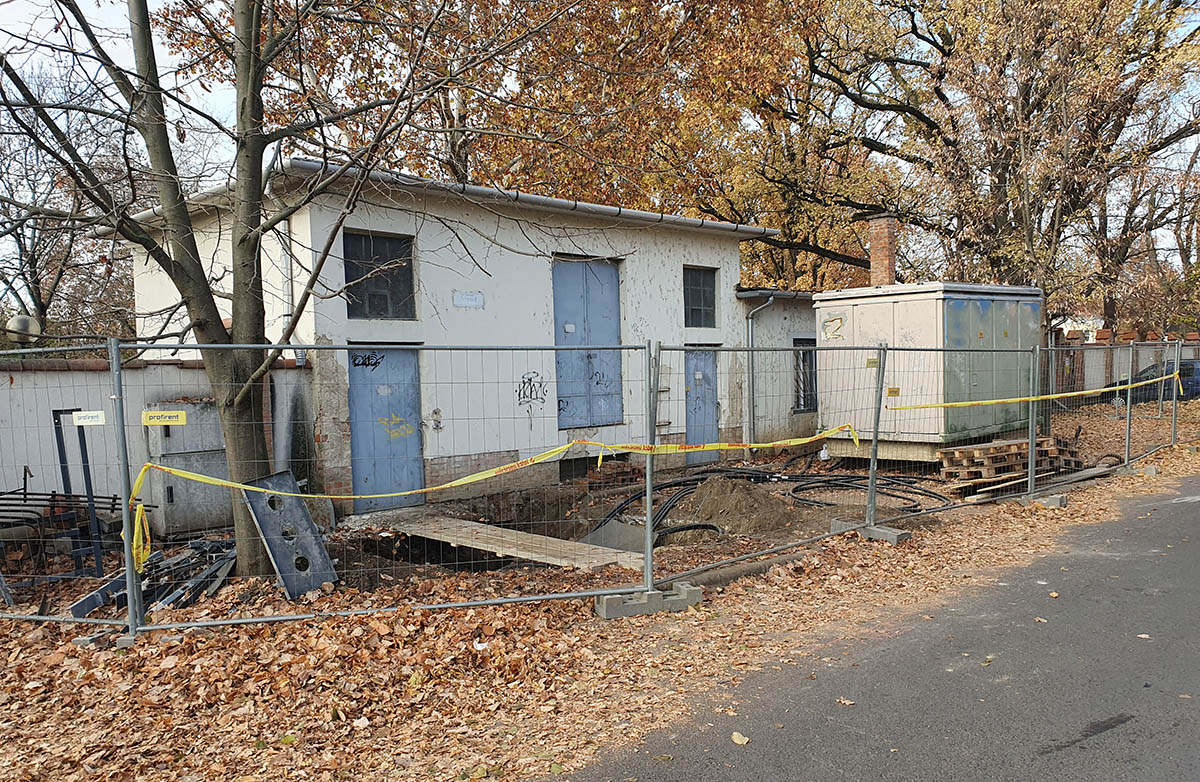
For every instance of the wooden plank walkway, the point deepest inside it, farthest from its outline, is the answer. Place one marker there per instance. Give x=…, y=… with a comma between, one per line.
x=513, y=543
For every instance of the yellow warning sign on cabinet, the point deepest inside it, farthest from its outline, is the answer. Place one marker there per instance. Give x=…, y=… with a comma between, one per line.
x=893, y=391
x=164, y=417
x=872, y=363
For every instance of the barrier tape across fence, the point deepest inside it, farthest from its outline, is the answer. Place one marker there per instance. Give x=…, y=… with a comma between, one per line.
x=141, y=527
x=1040, y=398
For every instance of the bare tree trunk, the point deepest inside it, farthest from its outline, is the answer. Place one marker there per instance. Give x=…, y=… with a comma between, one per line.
x=245, y=448
x=1110, y=310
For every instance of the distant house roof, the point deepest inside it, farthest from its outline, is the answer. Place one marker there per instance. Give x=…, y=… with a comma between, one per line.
x=217, y=197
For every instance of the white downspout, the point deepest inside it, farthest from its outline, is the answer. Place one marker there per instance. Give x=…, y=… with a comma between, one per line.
x=750, y=427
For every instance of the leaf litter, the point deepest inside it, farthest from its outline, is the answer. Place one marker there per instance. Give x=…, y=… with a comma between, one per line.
x=409, y=695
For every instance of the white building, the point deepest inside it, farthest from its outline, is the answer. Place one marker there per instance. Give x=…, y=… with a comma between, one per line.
x=420, y=264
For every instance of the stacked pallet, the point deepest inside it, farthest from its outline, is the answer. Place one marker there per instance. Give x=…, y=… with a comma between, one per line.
x=984, y=470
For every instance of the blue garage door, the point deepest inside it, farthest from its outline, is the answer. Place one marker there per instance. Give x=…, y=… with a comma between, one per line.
x=700, y=369
x=385, y=427
x=587, y=311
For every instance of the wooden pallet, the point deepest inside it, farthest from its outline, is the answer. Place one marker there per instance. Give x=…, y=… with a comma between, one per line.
x=992, y=470
x=988, y=468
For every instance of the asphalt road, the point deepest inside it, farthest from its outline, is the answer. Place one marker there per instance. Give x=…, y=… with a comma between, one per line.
x=982, y=690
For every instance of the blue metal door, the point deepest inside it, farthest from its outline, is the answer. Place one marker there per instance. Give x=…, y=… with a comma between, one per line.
x=700, y=374
x=385, y=427
x=587, y=311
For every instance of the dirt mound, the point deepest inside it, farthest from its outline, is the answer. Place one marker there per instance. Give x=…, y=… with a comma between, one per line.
x=738, y=507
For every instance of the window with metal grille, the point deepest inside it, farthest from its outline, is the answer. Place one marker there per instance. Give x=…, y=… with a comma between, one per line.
x=806, y=376
x=379, y=276
x=699, y=297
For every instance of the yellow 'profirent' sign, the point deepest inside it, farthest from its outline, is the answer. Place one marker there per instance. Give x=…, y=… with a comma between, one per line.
x=164, y=417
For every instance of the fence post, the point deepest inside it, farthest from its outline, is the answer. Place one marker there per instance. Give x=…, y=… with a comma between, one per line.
x=651, y=435
x=1175, y=393
x=1160, y=357
x=1052, y=389
x=133, y=589
x=1129, y=406
x=874, y=474
x=1035, y=358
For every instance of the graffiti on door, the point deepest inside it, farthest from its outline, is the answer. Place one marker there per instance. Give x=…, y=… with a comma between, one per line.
x=395, y=426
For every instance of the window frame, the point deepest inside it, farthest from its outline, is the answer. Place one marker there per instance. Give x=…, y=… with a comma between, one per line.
x=804, y=396
x=710, y=275
x=408, y=313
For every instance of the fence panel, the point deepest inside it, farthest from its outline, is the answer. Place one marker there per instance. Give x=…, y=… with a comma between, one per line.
x=1094, y=429
x=60, y=490
x=789, y=486
x=1154, y=423
x=1086, y=430
x=943, y=407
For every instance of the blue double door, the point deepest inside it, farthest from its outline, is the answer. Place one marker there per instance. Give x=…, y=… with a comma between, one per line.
x=587, y=313
x=386, y=454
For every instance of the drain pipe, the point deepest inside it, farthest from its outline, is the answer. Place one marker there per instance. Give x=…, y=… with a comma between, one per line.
x=750, y=427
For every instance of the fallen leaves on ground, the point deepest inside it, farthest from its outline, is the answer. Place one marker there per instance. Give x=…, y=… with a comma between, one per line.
x=845, y=702
x=739, y=739
x=408, y=695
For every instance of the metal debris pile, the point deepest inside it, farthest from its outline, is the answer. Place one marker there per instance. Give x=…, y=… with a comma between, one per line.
x=176, y=582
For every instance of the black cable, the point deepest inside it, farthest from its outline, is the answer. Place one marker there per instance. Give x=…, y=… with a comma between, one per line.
x=902, y=488
x=662, y=532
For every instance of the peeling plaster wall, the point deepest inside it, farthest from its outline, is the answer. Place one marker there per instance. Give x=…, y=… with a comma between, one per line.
x=472, y=402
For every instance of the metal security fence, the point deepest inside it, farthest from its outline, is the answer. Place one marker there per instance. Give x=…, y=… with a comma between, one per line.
x=60, y=493
x=370, y=477
x=1131, y=410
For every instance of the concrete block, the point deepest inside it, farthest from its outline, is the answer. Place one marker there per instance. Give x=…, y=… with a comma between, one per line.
x=889, y=534
x=126, y=641
x=1052, y=501
x=95, y=639
x=1149, y=470
x=681, y=596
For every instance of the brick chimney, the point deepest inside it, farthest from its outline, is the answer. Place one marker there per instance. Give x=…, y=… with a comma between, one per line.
x=881, y=237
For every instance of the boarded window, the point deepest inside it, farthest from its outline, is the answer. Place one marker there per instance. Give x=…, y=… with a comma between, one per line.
x=699, y=298
x=806, y=376
x=379, y=276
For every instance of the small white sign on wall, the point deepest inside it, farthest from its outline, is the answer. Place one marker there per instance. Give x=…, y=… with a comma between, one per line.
x=88, y=418
x=468, y=300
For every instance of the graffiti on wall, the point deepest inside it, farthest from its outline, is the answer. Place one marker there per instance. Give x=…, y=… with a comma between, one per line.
x=532, y=390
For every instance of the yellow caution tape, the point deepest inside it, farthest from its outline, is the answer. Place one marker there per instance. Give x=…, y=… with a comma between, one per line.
x=141, y=532
x=1043, y=397
x=141, y=529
